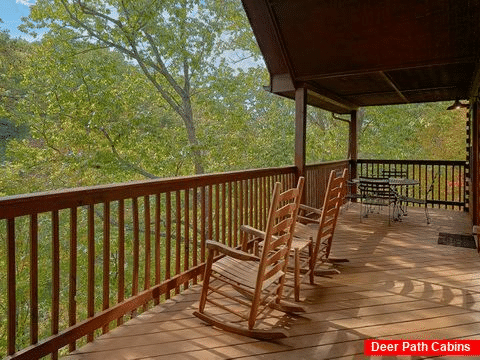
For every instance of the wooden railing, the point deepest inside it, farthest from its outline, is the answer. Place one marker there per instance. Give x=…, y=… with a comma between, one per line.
x=449, y=189
x=316, y=180
x=76, y=263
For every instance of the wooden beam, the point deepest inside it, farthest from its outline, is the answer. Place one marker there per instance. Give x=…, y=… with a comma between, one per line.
x=420, y=90
x=268, y=35
x=281, y=83
x=474, y=91
x=380, y=68
x=330, y=97
x=300, y=129
x=259, y=13
x=392, y=84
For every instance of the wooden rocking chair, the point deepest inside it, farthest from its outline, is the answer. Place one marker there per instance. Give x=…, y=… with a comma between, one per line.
x=257, y=281
x=314, y=235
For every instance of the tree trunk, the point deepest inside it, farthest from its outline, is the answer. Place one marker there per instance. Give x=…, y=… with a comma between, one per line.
x=192, y=137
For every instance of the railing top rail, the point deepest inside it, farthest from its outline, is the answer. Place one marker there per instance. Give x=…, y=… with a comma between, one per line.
x=327, y=163
x=25, y=204
x=432, y=162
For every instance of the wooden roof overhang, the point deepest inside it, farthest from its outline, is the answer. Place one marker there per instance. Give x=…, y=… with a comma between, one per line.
x=349, y=54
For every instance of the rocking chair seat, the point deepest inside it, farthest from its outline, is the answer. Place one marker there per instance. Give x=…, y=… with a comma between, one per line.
x=241, y=273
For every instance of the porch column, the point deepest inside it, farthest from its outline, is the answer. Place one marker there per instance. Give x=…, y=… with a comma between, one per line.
x=475, y=163
x=300, y=129
x=353, y=144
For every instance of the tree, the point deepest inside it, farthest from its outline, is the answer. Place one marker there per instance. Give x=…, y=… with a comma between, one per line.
x=175, y=44
x=90, y=118
x=413, y=131
x=327, y=136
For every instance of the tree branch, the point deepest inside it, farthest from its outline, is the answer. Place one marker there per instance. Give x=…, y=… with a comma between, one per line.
x=122, y=160
x=133, y=53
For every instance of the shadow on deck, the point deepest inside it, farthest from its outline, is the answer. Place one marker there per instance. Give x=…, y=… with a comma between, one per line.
x=398, y=284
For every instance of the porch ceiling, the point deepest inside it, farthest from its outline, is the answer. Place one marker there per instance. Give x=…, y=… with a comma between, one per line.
x=351, y=54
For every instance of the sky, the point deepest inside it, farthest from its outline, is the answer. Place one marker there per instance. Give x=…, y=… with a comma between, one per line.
x=10, y=12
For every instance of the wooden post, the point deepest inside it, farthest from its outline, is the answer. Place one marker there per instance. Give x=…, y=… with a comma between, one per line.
x=352, y=144
x=300, y=129
x=474, y=187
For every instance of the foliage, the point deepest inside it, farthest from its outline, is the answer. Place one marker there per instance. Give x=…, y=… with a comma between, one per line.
x=327, y=136
x=86, y=115
x=414, y=131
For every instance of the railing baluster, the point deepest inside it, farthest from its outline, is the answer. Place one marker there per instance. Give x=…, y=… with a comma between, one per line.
x=136, y=246
x=456, y=189
x=178, y=236
x=224, y=213
x=230, y=214
x=148, y=254
x=243, y=202
x=251, y=190
x=72, y=291
x=55, y=276
x=261, y=224
x=425, y=182
x=186, y=241
x=217, y=212
x=452, y=197
x=121, y=255
x=240, y=197
x=106, y=260
x=203, y=216
x=33, y=279
x=256, y=203
x=91, y=266
x=210, y=213
x=195, y=230
x=11, y=293
x=235, y=212
x=270, y=190
x=266, y=203
x=158, y=257
x=464, y=191
x=168, y=241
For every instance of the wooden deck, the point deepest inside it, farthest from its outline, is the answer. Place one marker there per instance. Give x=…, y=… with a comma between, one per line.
x=399, y=283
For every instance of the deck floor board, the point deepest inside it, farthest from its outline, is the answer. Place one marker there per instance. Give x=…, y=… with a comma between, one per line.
x=398, y=284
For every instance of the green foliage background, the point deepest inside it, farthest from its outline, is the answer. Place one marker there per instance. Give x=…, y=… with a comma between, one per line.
x=78, y=115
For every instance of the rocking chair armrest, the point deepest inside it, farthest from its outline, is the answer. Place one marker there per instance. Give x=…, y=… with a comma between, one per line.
x=250, y=237
x=310, y=209
x=306, y=220
x=308, y=214
x=252, y=231
x=226, y=250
